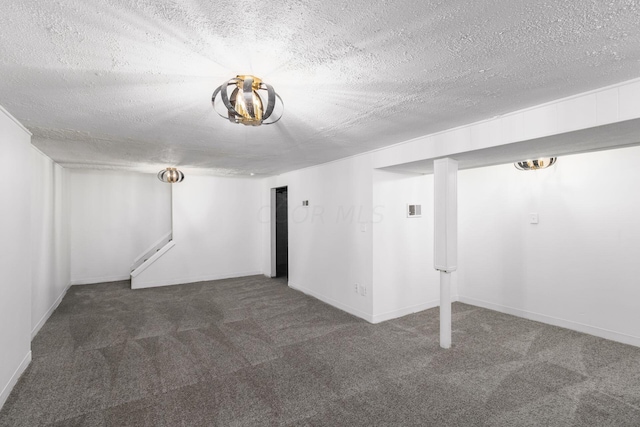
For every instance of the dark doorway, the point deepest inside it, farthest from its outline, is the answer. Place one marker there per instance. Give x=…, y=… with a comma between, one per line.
x=282, y=234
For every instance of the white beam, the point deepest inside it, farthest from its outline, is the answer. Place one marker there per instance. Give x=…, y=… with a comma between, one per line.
x=604, y=106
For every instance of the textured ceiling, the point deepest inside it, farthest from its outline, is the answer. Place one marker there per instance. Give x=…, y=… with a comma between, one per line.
x=127, y=84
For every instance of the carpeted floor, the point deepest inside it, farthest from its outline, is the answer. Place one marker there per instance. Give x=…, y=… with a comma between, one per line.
x=252, y=352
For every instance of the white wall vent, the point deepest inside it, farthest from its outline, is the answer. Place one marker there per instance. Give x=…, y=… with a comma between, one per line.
x=414, y=211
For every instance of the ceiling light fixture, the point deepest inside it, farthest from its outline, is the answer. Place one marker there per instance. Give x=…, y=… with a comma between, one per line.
x=531, y=165
x=170, y=175
x=247, y=103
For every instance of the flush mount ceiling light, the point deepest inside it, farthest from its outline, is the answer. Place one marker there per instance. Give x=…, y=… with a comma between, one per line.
x=170, y=175
x=251, y=101
x=531, y=165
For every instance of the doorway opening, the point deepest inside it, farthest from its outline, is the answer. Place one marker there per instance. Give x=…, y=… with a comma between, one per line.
x=280, y=244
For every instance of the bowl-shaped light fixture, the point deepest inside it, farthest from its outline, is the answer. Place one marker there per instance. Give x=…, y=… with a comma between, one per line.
x=248, y=100
x=531, y=165
x=170, y=175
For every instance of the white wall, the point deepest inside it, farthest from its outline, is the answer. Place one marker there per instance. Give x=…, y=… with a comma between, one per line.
x=115, y=217
x=216, y=231
x=579, y=266
x=50, y=238
x=403, y=275
x=15, y=252
x=330, y=241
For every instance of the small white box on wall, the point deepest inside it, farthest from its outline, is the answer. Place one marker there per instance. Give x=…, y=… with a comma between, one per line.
x=414, y=211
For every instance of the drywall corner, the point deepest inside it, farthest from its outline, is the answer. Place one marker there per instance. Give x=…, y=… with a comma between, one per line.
x=49, y=312
x=353, y=311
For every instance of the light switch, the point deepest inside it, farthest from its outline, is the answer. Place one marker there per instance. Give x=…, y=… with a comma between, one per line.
x=533, y=218
x=363, y=227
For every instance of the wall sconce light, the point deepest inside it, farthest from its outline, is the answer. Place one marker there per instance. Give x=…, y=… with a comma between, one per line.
x=247, y=103
x=531, y=165
x=170, y=175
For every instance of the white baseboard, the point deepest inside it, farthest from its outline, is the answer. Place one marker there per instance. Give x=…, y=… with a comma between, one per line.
x=394, y=314
x=377, y=318
x=49, y=312
x=104, y=279
x=555, y=321
x=334, y=303
x=136, y=284
x=4, y=395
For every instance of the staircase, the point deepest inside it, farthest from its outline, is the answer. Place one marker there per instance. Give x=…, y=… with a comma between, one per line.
x=152, y=254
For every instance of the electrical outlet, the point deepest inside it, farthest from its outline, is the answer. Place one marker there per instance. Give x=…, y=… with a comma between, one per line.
x=363, y=290
x=533, y=218
x=356, y=288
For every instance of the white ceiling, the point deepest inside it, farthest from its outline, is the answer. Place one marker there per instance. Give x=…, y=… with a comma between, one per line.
x=126, y=84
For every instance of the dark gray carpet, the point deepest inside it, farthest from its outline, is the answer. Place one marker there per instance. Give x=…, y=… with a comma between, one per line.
x=252, y=352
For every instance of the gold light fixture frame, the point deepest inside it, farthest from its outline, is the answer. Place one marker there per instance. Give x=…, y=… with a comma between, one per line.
x=245, y=104
x=531, y=165
x=171, y=175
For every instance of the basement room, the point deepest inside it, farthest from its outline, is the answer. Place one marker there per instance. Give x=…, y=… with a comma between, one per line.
x=336, y=213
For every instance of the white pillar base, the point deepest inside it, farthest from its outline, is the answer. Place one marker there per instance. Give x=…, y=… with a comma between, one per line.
x=445, y=309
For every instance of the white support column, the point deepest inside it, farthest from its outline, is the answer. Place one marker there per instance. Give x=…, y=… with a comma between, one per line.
x=445, y=237
x=445, y=309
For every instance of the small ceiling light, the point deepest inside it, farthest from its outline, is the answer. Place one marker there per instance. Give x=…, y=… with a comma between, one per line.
x=247, y=103
x=531, y=165
x=170, y=175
